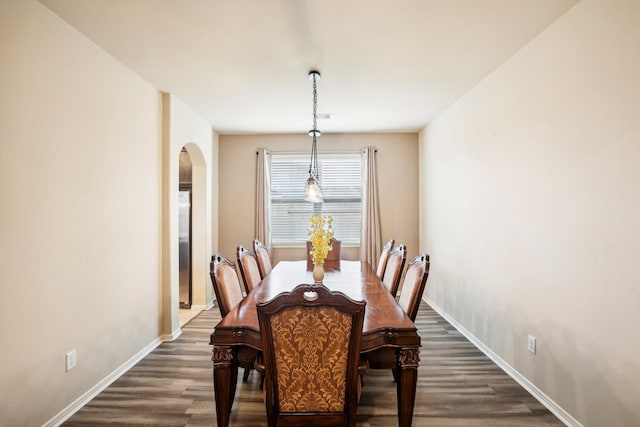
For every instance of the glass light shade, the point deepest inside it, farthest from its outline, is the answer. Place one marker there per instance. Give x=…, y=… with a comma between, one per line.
x=312, y=191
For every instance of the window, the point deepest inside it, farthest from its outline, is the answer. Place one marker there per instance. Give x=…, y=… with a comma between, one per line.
x=340, y=177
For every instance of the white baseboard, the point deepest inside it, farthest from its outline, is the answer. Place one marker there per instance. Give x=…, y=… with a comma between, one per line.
x=67, y=412
x=175, y=334
x=551, y=405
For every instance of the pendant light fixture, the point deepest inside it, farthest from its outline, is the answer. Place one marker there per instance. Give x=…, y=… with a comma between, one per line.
x=312, y=190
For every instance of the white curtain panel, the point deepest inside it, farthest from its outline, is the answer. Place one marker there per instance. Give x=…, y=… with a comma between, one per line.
x=371, y=241
x=262, y=226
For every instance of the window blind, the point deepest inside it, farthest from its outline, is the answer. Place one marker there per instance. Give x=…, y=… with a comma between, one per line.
x=340, y=176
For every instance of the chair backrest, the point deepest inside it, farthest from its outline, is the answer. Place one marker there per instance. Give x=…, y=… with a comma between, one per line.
x=415, y=281
x=334, y=253
x=384, y=256
x=262, y=256
x=393, y=271
x=311, y=345
x=248, y=268
x=225, y=283
x=332, y=262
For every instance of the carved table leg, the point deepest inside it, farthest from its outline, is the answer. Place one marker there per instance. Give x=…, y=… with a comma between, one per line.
x=408, y=359
x=225, y=376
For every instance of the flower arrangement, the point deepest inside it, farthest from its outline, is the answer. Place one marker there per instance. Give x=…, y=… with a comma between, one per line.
x=320, y=235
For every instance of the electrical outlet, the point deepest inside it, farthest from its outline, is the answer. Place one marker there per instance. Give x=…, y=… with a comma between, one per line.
x=71, y=359
x=531, y=344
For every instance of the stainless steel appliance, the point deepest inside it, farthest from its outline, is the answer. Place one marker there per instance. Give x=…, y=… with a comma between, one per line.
x=184, y=254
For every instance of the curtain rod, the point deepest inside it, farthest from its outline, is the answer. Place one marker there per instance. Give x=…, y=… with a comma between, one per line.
x=375, y=150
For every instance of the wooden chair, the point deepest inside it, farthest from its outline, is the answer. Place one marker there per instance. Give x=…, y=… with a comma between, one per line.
x=249, y=269
x=412, y=289
x=384, y=257
x=228, y=294
x=311, y=345
x=393, y=270
x=332, y=262
x=225, y=283
x=413, y=285
x=262, y=256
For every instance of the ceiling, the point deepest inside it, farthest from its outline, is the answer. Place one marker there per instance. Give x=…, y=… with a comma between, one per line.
x=387, y=66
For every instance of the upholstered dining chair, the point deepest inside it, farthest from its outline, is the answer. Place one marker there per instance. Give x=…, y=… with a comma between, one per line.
x=228, y=294
x=263, y=258
x=311, y=351
x=393, y=270
x=249, y=269
x=384, y=256
x=225, y=283
x=332, y=262
x=413, y=285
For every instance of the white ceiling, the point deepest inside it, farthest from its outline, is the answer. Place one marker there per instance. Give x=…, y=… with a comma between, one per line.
x=242, y=64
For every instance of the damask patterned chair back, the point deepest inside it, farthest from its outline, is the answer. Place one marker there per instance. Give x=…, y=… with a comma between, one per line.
x=225, y=283
x=311, y=344
x=262, y=256
x=248, y=268
x=415, y=281
x=393, y=271
x=384, y=257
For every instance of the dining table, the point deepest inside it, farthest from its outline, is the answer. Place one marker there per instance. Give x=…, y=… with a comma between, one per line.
x=386, y=328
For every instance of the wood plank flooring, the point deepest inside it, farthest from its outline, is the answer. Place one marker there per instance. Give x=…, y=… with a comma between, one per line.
x=457, y=386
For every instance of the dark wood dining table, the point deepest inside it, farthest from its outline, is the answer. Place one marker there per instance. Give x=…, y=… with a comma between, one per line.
x=386, y=326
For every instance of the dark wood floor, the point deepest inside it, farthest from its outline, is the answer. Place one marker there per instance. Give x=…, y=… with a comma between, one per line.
x=457, y=386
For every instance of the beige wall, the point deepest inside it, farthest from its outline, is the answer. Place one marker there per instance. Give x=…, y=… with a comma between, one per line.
x=530, y=203
x=81, y=213
x=398, y=176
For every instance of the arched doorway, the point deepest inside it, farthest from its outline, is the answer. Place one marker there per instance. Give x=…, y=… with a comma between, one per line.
x=192, y=231
x=182, y=129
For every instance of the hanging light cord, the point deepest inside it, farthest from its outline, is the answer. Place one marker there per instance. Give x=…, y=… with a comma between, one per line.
x=313, y=166
x=312, y=189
